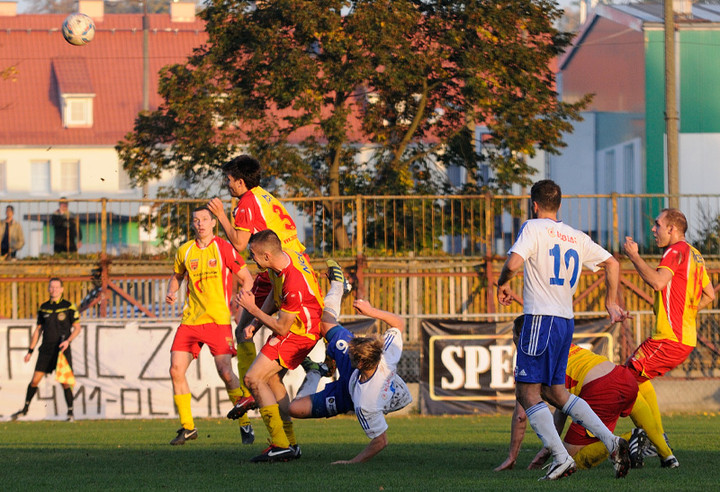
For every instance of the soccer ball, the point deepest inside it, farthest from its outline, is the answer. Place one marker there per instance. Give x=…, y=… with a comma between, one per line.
x=78, y=29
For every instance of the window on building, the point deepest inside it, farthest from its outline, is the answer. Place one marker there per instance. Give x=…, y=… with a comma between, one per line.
x=3, y=177
x=610, y=178
x=40, y=177
x=70, y=176
x=77, y=112
x=629, y=168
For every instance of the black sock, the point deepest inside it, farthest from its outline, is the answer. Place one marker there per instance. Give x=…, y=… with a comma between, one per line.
x=31, y=390
x=69, y=400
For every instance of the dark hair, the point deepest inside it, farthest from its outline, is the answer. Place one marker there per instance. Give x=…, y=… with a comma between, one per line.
x=365, y=352
x=244, y=167
x=55, y=279
x=546, y=193
x=10, y=207
x=204, y=207
x=675, y=217
x=266, y=239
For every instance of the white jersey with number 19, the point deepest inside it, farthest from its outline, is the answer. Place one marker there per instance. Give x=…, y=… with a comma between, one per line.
x=554, y=254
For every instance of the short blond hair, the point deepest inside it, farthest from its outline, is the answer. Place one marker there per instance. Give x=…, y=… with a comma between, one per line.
x=365, y=352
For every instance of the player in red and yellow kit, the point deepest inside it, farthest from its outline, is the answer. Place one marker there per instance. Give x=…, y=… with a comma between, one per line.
x=297, y=299
x=208, y=263
x=682, y=287
x=256, y=211
x=612, y=392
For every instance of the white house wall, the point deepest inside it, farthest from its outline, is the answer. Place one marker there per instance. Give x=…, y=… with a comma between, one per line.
x=699, y=175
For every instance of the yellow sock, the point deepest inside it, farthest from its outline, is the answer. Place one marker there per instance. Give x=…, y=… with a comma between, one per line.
x=643, y=417
x=289, y=432
x=235, y=394
x=182, y=402
x=246, y=354
x=648, y=392
x=591, y=455
x=271, y=416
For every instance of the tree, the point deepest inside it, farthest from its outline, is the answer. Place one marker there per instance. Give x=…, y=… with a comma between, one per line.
x=375, y=97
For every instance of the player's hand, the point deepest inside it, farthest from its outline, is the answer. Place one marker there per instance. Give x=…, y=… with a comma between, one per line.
x=630, y=247
x=246, y=300
x=63, y=346
x=539, y=459
x=171, y=297
x=508, y=464
x=505, y=295
x=363, y=307
x=617, y=314
x=248, y=332
x=216, y=206
x=27, y=357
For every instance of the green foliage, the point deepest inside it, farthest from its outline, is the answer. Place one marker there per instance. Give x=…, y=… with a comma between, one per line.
x=375, y=92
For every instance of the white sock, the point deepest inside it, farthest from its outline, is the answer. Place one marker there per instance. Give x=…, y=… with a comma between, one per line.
x=333, y=299
x=541, y=421
x=309, y=385
x=582, y=414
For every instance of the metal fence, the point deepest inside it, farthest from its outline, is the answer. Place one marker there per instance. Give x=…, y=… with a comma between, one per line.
x=375, y=226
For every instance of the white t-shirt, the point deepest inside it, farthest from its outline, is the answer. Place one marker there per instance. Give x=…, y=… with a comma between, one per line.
x=554, y=254
x=384, y=392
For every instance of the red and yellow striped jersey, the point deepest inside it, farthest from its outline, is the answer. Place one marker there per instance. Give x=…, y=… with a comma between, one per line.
x=258, y=210
x=296, y=291
x=209, y=280
x=676, y=305
x=580, y=361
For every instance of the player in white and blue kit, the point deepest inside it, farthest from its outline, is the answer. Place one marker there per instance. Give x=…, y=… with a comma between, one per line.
x=368, y=382
x=553, y=255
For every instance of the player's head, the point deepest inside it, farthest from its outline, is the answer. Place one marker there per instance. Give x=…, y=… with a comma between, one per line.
x=55, y=288
x=546, y=195
x=365, y=352
x=204, y=222
x=242, y=170
x=670, y=227
x=264, y=246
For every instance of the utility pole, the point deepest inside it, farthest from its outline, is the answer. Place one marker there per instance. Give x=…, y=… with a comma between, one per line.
x=144, y=246
x=671, y=113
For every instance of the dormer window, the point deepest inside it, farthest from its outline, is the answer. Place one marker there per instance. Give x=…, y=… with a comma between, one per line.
x=75, y=92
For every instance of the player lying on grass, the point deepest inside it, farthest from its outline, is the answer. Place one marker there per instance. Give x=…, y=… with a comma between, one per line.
x=368, y=382
x=611, y=391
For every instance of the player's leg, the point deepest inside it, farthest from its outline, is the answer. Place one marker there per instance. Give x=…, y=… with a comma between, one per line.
x=179, y=363
x=538, y=349
x=283, y=400
x=29, y=394
x=517, y=433
x=642, y=416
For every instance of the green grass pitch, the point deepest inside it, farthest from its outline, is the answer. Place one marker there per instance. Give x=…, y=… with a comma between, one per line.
x=425, y=453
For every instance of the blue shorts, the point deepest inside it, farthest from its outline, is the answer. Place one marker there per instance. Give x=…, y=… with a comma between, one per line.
x=542, y=350
x=335, y=399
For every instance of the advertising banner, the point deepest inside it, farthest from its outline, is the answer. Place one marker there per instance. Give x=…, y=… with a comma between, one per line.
x=467, y=367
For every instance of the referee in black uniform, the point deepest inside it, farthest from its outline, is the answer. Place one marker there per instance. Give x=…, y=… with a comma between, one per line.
x=59, y=321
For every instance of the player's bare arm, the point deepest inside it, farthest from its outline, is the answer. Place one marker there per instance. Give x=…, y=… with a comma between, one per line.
x=512, y=266
x=657, y=279
x=173, y=286
x=280, y=325
x=708, y=296
x=237, y=238
x=375, y=445
x=364, y=307
x=73, y=335
x=612, y=282
x=33, y=342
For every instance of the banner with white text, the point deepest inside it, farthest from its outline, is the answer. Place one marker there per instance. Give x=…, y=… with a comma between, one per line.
x=467, y=367
x=121, y=371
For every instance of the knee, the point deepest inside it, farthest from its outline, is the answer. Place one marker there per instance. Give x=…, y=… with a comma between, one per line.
x=226, y=374
x=176, y=372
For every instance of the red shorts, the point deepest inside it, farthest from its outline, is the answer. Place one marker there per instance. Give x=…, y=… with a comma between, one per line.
x=654, y=358
x=191, y=338
x=611, y=396
x=289, y=351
